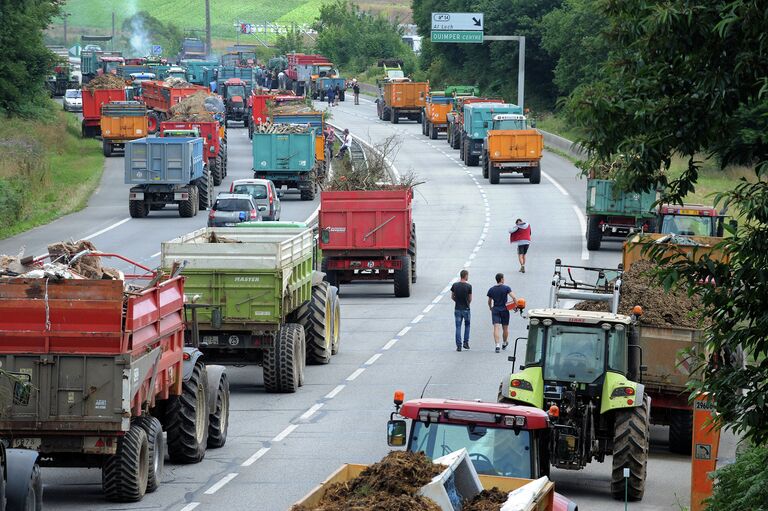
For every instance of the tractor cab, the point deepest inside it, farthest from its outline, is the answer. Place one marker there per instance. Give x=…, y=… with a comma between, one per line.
x=509, y=122
x=177, y=72
x=234, y=90
x=691, y=220
x=584, y=368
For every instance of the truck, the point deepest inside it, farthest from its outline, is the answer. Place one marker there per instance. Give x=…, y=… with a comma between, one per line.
x=290, y=159
x=95, y=374
x=192, y=48
x=93, y=100
x=194, y=69
x=258, y=299
x=61, y=77
x=439, y=104
x=96, y=62
x=214, y=143
x=368, y=235
x=321, y=85
x=167, y=170
x=401, y=99
x=508, y=445
x=235, y=93
x=455, y=118
x=160, y=97
x=586, y=370
x=512, y=146
x=301, y=69
x=614, y=213
x=121, y=122
x=477, y=119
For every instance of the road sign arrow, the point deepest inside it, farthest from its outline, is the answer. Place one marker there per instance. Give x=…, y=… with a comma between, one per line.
x=477, y=21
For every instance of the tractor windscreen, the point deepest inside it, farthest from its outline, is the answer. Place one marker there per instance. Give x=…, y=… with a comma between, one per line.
x=235, y=90
x=575, y=353
x=493, y=451
x=688, y=225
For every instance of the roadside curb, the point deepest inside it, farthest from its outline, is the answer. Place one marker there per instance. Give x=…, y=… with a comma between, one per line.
x=564, y=145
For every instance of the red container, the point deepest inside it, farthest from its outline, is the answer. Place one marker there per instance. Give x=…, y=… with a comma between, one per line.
x=365, y=221
x=161, y=97
x=260, y=107
x=301, y=59
x=209, y=131
x=94, y=99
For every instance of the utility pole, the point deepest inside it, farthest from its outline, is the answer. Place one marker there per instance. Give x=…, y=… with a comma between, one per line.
x=113, y=31
x=65, y=29
x=208, y=26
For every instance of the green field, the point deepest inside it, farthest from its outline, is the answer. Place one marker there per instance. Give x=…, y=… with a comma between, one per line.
x=96, y=15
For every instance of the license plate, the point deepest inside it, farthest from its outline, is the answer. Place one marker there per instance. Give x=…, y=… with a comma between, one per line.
x=229, y=224
x=210, y=339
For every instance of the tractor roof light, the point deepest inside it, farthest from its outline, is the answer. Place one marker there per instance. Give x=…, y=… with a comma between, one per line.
x=547, y=322
x=515, y=421
x=554, y=411
x=399, y=397
x=534, y=321
x=637, y=310
x=606, y=326
x=619, y=327
x=429, y=415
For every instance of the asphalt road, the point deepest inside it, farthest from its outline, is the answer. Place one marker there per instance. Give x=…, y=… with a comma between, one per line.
x=281, y=446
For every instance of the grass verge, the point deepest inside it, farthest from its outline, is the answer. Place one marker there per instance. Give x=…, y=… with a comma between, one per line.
x=46, y=170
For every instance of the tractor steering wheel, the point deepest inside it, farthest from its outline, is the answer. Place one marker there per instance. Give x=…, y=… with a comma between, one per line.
x=482, y=459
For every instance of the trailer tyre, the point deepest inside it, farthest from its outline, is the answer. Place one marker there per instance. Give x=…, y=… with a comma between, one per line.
x=281, y=363
x=205, y=189
x=594, y=235
x=432, y=131
x=394, y=117
x=106, y=148
x=153, y=122
x=125, y=473
x=631, y=438
x=484, y=165
x=330, y=276
x=680, y=431
x=424, y=126
x=386, y=113
x=217, y=175
x=219, y=418
x=138, y=208
x=535, y=177
x=156, y=449
x=412, y=252
x=316, y=316
x=494, y=176
x=403, y=278
x=336, y=320
x=187, y=207
x=186, y=419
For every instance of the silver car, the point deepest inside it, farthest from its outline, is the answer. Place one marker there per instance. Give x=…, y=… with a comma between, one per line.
x=73, y=100
x=231, y=209
x=263, y=193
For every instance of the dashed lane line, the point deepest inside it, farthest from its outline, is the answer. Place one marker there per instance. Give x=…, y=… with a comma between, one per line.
x=220, y=484
x=254, y=458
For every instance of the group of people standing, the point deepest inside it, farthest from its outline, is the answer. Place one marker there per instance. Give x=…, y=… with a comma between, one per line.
x=333, y=93
x=499, y=295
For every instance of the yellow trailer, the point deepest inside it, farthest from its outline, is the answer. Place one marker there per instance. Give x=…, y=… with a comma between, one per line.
x=121, y=122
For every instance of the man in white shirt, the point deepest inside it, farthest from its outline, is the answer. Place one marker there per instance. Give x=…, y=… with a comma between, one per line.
x=346, y=143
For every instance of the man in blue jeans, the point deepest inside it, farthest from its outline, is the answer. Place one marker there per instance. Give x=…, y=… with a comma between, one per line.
x=461, y=294
x=497, y=303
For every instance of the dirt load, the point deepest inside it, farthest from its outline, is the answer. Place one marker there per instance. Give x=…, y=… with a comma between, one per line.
x=486, y=500
x=107, y=81
x=200, y=106
x=660, y=307
x=389, y=485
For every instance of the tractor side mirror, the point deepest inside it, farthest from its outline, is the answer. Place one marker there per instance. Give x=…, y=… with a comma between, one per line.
x=396, y=429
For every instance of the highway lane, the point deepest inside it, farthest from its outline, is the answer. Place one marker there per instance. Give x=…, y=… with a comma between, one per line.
x=280, y=446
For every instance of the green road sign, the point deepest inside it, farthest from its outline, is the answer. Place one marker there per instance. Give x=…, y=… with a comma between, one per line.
x=457, y=36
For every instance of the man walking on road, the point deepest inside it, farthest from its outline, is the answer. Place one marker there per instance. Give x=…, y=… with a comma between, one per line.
x=497, y=303
x=461, y=294
x=356, y=91
x=521, y=234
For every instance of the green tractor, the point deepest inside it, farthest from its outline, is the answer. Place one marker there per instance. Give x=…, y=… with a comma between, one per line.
x=585, y=369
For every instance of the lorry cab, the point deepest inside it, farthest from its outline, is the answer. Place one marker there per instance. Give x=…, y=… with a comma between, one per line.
x=690, y=220
x=177, y=72
x=510, y=122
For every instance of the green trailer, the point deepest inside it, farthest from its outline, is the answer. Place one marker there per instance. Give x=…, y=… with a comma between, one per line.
x=257, y=299
x=614, y=213
x=289, y=159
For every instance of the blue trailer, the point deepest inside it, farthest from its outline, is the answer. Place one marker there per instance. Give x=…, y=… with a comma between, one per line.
x=320, y=86
x=168, y=170
x=288, y=159
x=478, y=119
x=195, y=70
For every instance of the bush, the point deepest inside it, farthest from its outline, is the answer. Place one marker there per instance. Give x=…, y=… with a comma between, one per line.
x=743, y=484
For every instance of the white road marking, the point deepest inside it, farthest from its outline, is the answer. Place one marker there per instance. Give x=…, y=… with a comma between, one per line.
x=311, y=411
x=218, y=486
x=335, y=392
x=284, y=433
x=428, y=308
x=154, y=255
x=417, y=319
x=190, y=506
x=389, y=344
x=373, y=359
x=107, y=229
x=555, y=183
x=254, y=458
x=403, y=331
x=438, y=298
x=583, y=224
x=355, y=374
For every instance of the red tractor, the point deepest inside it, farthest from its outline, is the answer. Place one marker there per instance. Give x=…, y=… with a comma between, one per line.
x=234, y=92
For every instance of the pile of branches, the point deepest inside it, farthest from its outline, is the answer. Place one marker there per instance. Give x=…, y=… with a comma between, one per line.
x=107, y=81
x=200, y=106
x=282, y=129
x=178, y=83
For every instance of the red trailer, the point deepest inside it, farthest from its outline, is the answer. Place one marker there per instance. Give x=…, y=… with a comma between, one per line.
x=160, y=97
x=214, y=144
x=95, y=372
x=92, y=103
x=368, y=235
x=301, y=59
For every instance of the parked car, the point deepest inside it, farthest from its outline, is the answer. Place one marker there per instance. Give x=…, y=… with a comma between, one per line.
x=234, y=208
x=73, y=100
x=263, y=192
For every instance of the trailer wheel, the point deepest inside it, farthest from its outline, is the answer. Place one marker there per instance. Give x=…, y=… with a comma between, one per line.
x=630, y=450
x=153, y=122
x=412, y=252
x=138, y=208
x=432, y=131
x=214, y=166
x=463, y=150
x=21, y=483
x=472, y=160
x=125, y=473
x=494, y=176
x=424, y=126
x=187, y=207
x=205, y=189
x=455, y=140
x=535, y=177
x=186, y=419
x=316, y=316
x=281, y=363
x=680, y=431
x=484, y=165
x=219, y=418
x=156, y=449
x=386, y=113
x=308, y=194
x=403, y=278
x=106, y=147
x=594, y=235
x=336, y=321
x=394, y=116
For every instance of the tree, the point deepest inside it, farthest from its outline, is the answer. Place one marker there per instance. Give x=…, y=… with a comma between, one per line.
x=291, y=41
x=142, y=30
x=573, y=35
x=25, y=62
x=685, y=78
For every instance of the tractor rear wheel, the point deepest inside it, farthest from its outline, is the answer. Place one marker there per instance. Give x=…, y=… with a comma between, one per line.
x=186, y=419
x=336, y=321
x=281, y=363
x=153, y=122
x=125, y=473
x=316, y=317
x=631, y=438
x=217, y=174
x=680, y=431
x=205, y=189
